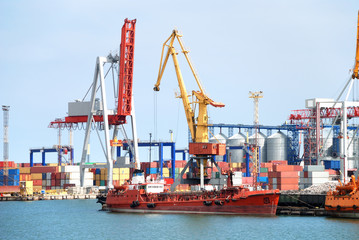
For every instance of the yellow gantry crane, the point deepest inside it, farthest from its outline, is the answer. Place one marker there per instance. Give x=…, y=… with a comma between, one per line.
x=198, y=126
x=356, y=65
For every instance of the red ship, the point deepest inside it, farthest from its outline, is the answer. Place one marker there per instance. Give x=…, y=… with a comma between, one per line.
x=238, y=200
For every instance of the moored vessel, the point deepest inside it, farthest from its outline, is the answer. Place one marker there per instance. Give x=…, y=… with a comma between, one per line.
x=150, y=197
x=344, y=201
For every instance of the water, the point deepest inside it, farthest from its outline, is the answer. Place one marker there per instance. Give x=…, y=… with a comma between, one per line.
x=80, y=219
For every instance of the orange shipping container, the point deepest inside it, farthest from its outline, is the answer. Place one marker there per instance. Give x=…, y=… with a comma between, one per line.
x=288, y=181
x=37, y=183
x=283, y=168
x=288, y=187
x=289, y=174
x=279, y=162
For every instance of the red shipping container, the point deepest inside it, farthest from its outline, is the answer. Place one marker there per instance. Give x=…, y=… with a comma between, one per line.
x=37, y=182
x=9, y=164
x=58, y=182
x=279, y=162
x=263, y=174
x=153, y=164
x=53, y=182
x=169, y=181
x=63, y=176
x=288, y=187
x=283, y=168
x=247, y=180
x=288, y=181
x=44, y=169
x=305, y=174
x=298, y=168
x=272, y=174
x=290, y=174
x=48, y=187
x=268, y=165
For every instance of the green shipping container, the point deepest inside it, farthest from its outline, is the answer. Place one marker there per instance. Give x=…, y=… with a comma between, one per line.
x=264, y=170
x=102, y=183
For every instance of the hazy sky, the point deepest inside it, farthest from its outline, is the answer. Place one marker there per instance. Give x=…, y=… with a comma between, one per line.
x=290, y=50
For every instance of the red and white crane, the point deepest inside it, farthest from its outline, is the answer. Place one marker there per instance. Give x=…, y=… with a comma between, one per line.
x=96, y=112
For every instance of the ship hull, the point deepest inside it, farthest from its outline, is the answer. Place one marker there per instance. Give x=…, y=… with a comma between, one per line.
x=260, y=203
x=346, y=206
x=343, y=214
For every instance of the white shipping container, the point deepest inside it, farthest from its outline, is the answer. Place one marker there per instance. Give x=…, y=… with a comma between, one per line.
x=88, y=183
x=274, y=181
x=62, y=182
x=70, y=168
x=76, y=182
x=76, y=175
x=237, y=181
x=48, y=182
x=318, y=174
x=317, y=180
x=48, y=176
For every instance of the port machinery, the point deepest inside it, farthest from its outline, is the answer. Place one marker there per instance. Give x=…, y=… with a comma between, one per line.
x=337, y=111
x=95, y=113
x=197, y=121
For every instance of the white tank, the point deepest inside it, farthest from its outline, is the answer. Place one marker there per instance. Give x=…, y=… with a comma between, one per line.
x=219, y=138
x=236, y=155
x=262, y=143
x=327, y=149
x=277, y=147
x=352, y=151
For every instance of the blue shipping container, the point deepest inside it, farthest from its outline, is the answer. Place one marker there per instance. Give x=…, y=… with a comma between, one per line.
x=153, y=170
x=14, y=171
x=98, y=171
x=329, y=164
x=14, y=177
x=263, y=179
x=13, y=183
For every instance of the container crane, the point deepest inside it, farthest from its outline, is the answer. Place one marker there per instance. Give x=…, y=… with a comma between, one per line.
x=338, y=110
x=198, y=125
x=96, y=112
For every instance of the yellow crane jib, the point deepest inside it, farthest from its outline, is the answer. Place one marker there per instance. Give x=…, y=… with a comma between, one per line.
x=356, y=65
x=198, y=126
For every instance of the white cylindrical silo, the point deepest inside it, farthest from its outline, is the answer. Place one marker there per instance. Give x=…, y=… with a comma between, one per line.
x=262, y=143
x=235, y=155
x=277, y=147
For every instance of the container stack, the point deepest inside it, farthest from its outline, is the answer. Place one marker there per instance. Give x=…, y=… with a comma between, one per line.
x=71, y=175
x=283, y=176
x=313, y=175
x=119, y=176
x=12, y=177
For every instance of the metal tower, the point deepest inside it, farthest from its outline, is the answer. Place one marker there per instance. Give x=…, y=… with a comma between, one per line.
x=6, y=110
x=256, y=152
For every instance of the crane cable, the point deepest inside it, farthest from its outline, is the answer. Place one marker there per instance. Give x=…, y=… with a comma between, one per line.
x=154, y=115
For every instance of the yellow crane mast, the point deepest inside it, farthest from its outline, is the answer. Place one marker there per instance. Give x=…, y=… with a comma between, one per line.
x=356, y=65
x=198, y=126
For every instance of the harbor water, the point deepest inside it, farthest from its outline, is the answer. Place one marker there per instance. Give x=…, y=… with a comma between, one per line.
x=81, y=219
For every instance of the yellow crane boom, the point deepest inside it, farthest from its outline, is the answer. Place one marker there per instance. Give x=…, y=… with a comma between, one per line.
x=356, y=65
x=197, y=126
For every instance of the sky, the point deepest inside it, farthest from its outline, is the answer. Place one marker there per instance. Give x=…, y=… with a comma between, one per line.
x=290, y=50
